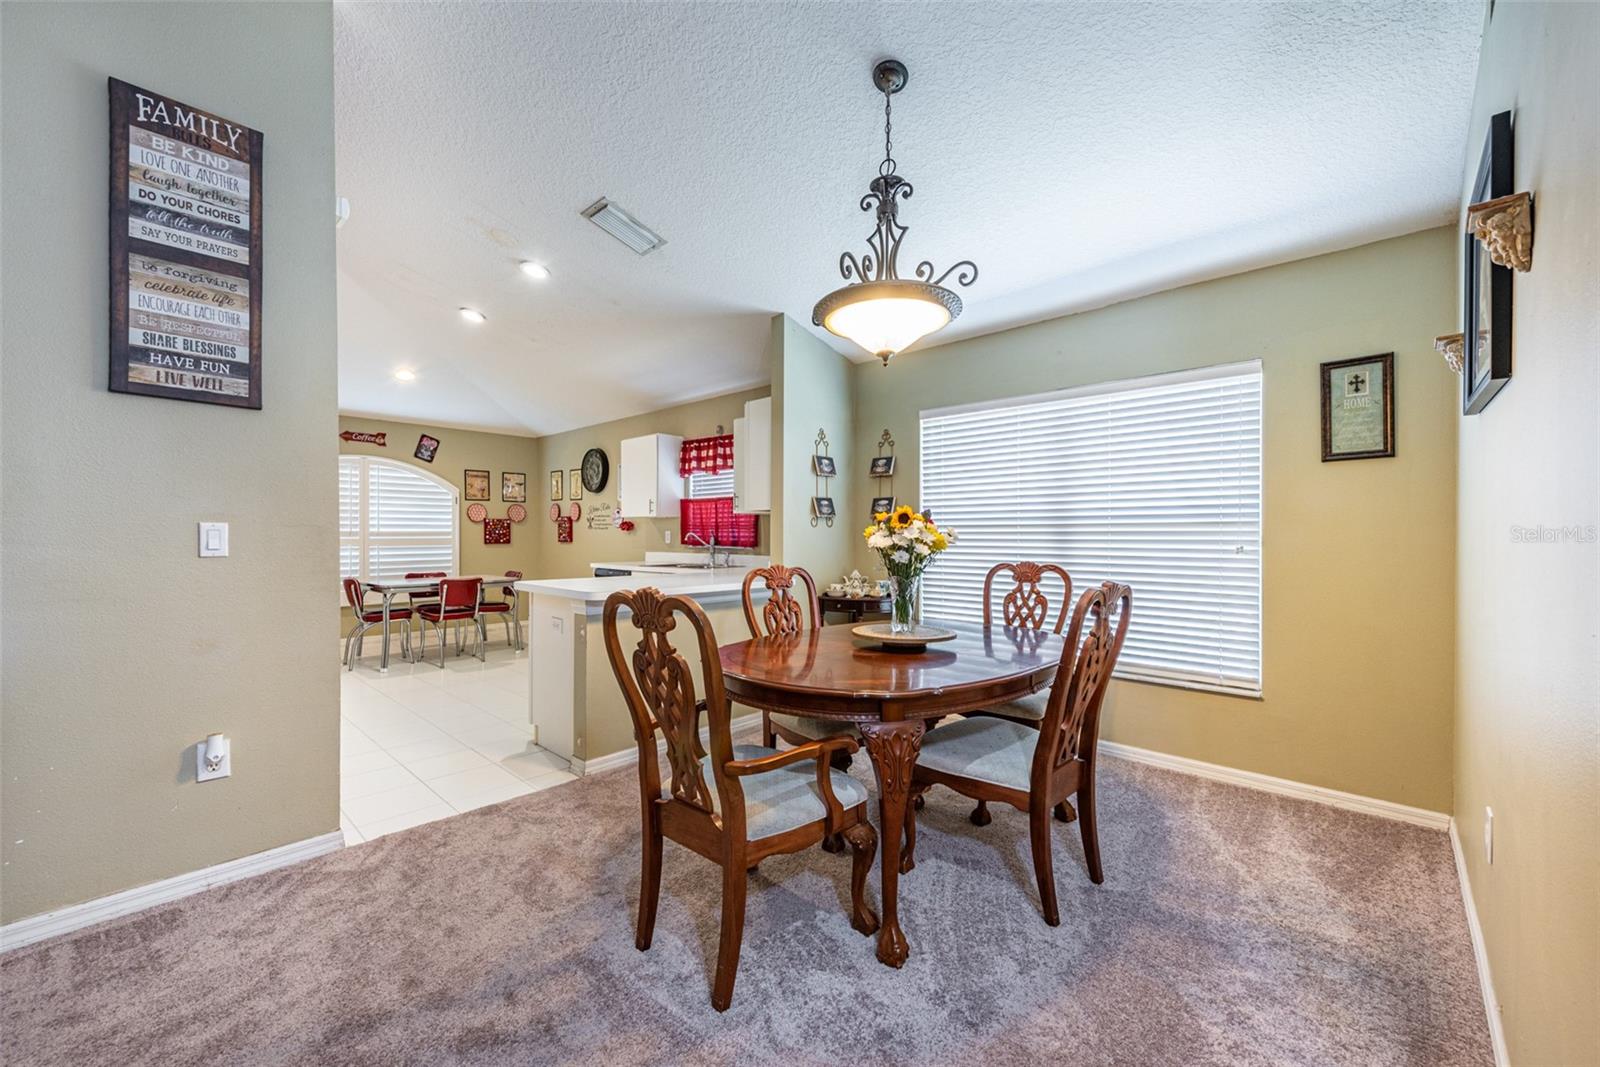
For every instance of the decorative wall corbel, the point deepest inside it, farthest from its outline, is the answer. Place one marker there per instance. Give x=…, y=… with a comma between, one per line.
x=1504, y=226
x=1448, y=345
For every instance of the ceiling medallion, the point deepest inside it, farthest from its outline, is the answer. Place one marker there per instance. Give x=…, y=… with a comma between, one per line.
x=882, y=312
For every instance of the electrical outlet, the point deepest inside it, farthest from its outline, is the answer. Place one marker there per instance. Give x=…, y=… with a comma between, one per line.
x=1488, y=835
x=213, y=758
x=666, y=537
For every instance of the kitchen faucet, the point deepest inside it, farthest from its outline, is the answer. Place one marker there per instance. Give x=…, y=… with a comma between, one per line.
x=711, y=547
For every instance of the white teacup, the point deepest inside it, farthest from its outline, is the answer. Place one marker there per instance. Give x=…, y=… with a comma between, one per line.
x=836, y=589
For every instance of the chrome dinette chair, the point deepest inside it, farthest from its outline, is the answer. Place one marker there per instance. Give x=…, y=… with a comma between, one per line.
x=458, y=602
x=1036, y=768
x=507, y=610
x=759, y=802
x=367, y=617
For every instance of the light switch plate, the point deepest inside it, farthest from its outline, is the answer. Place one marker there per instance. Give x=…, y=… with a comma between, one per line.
x=213, y=539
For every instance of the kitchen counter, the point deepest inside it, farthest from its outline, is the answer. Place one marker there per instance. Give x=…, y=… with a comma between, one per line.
x=711, y=584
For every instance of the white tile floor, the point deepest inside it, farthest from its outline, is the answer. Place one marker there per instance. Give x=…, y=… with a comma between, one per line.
x=420, y=744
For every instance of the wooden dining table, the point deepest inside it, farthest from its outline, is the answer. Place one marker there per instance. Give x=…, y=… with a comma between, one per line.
x=389, y=588
x=890, y=697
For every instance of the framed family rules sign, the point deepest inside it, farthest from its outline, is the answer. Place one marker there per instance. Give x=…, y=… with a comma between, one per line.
x=185, y=251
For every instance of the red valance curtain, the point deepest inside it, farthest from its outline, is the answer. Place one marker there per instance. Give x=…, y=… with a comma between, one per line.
x=706, y=455
x=714, y=517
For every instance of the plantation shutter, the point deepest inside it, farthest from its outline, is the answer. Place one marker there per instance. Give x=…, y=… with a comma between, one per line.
x=1154, y=482
x=394, y=520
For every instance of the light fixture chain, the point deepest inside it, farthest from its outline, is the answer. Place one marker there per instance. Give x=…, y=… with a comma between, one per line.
x=887, y=167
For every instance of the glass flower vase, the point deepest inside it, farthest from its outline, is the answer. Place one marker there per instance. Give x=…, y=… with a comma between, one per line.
x=905, y=604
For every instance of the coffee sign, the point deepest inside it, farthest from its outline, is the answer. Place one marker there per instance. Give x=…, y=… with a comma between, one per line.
x=185, y=251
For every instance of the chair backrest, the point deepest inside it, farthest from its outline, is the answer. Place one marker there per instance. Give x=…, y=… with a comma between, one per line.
x=1071, y=726
x=781, y=613
x=1025, y=604
x=506, y=589
x=456, y=594
x=659, y=687
x=355, y=594
x=424, y=574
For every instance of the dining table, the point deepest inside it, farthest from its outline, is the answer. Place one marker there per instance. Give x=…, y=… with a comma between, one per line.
x=890, y=696
x=389, y=588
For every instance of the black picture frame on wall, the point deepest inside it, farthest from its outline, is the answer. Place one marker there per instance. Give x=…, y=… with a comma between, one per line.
x=1486, y=286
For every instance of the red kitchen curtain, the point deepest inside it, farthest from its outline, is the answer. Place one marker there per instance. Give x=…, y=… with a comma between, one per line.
x=714, y=517
x=706, y=455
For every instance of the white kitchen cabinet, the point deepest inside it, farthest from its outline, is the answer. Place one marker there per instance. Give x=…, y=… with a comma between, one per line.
x=649, y=485
x=752, y=458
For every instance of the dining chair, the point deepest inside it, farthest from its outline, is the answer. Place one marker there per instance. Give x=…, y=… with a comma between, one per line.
x=458, y=602
x=784, y=614
x=506, y=609
x=1036, y=769
x=416, y=600
x=367, y=617
x=737, y=804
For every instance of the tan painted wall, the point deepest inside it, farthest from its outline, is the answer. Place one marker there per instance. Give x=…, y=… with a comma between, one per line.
x=817, y=392
x=1528, y=659
x=458, y=451
x=121, y=647
x=1358, y=564
x=564, y=451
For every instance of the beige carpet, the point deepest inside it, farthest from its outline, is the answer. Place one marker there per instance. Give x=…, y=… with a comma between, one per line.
x=1233, y=927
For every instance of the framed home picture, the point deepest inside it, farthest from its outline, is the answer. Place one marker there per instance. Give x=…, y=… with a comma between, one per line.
x=575, y=483
x=475, y=484
x=427, y=448
x=1486, y=286
x=883, y=466
x=555, y=486
x=514, y=487
x=822, y=507
x=823, y=466
x=882, y=504
x=1358, y=408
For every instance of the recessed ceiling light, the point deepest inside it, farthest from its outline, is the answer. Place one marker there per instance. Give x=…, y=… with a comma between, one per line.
x=403, y=375
x=472, y=315
x=537, y=271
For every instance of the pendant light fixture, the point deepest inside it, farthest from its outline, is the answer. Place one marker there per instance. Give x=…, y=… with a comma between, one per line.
x=882, y=312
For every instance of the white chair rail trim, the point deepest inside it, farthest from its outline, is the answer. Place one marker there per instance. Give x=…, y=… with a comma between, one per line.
x=77, y=916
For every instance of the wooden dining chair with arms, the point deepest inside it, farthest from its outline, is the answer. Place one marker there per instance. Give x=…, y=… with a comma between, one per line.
x=1035, y=768
x=784, y=613
x=734, y=805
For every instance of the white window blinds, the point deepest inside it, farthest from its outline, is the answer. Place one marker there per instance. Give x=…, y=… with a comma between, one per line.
x=1154, y=482
x=394, y=520
x=703, y=485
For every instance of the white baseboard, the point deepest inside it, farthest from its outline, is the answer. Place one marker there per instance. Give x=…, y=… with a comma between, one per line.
x=744, y=724
x=1383, y=809
x=76, y=917
x=1491, y=1003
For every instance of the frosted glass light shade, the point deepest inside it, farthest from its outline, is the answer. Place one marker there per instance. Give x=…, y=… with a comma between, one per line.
x=886, y=318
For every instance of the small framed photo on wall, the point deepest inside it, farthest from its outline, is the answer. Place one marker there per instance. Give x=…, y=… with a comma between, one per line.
x=882, y=505
x=555, y=486
x=427, y=448
x=575, y=483
x=1358, y=408
x=476, y=484
x=823, y=466
x=883, y=466
x=822, y=507
x=514, y=487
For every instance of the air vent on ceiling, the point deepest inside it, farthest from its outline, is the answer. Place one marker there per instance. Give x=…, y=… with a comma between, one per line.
x=623, y=226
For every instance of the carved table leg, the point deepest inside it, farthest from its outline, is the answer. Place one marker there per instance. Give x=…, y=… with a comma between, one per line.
x=893, y=747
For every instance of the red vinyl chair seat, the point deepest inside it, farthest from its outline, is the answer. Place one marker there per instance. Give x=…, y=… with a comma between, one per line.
x=437, y=613
x=376, y=614
x=494, y=605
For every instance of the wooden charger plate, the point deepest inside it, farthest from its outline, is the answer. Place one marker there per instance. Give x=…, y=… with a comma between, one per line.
x=917, y=639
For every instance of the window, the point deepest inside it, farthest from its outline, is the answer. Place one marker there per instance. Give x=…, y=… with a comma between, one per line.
x=394, y=519
x=702, y=485
x=1155, y=482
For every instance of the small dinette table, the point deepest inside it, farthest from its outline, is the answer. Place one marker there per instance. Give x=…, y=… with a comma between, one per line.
x=389, y=588
x=829, y=673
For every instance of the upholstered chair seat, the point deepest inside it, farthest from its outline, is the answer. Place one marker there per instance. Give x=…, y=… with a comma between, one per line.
x=809, y=728
x=1029, y=708
x=997, y=751
x=775, y=801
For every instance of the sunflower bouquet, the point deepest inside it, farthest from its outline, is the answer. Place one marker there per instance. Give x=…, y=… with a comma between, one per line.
x=907, y=542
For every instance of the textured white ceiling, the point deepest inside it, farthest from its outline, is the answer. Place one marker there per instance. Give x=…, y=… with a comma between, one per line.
x=1080, y=153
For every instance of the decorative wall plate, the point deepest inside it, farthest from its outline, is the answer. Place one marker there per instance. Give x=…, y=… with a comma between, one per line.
x=516, y=513
x=574, y=511
x=477, y=512
x=555, y=512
